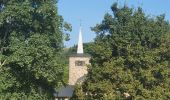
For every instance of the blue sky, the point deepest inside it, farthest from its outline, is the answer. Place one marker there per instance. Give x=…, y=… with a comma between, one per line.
x=91, y=12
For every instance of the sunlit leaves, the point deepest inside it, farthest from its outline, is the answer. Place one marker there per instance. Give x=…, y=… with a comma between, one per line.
x=130, y=57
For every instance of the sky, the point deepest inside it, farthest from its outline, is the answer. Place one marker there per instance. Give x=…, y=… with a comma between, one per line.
x=91, y=12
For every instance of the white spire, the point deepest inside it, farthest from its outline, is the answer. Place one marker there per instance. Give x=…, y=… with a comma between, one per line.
x=80, y=43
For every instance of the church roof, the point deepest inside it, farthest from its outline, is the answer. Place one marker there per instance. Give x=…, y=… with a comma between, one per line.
x=79, y=55
x=65, y=91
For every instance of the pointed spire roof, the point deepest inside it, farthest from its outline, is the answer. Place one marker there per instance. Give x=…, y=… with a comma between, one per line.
x=80, y=42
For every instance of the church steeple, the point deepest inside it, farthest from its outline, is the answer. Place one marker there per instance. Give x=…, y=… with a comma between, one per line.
x=80, y=42
x=78, y=63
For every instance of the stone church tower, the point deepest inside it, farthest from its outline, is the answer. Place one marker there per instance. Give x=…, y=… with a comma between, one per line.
x=77, y=71
x=78, y=63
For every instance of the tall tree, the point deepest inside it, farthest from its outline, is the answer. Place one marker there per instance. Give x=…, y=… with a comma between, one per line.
x=130, y=57
x=31, y=38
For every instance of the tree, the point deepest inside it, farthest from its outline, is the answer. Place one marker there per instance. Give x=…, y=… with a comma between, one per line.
x=31, y=40
x=130, y=57
x=86, y=47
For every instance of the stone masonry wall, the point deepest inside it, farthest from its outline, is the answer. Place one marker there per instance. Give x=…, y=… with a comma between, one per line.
x=77, y=73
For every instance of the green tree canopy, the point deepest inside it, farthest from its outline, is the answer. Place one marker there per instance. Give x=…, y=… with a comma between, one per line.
x=130, y=57
x=86, y=47
x=31, y=40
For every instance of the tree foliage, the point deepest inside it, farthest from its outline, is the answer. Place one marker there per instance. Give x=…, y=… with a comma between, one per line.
x=31, y=40
x=130, y=57
x=86, y=47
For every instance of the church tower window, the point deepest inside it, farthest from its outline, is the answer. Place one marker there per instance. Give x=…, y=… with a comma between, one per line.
x=80, y=63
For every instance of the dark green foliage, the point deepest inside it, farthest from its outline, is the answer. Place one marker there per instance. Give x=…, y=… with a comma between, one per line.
x=31, y=40
x=130, y=55
x=86, y=47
